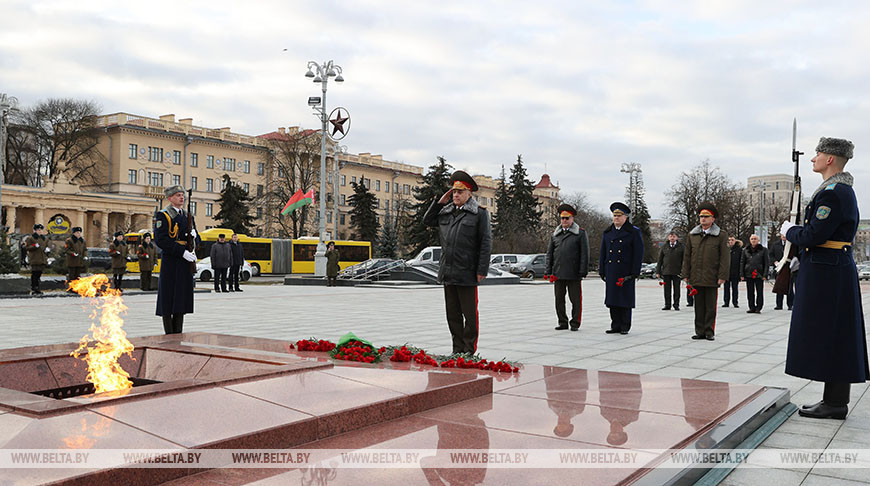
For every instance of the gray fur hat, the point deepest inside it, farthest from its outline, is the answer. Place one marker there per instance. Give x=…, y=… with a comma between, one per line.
x=169, y=191
x=835, y=146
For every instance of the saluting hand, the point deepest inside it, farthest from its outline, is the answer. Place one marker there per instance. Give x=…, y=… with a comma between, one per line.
x=446, y=198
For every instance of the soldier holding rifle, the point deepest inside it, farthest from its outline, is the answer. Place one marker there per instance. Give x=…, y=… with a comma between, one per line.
x=174, y=230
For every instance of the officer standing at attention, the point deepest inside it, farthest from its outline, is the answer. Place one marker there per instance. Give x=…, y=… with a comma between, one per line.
x=175, y=286
x=619, y=266
x=668, y=268
x=36, y=246
x=567, y=264
x=118, y=250
x=706, y=266
x=466, y=243
x=75, y=250
x=827, y=339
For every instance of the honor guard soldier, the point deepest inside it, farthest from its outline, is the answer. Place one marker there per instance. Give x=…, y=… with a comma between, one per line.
x=36, y=246
x=175, y=286
x=619, y=263
x=118, y=251
x=76, y=251
x=827, y=339
x=147, y=254
x=466, y=244
x=567, y=264
x=706, y=266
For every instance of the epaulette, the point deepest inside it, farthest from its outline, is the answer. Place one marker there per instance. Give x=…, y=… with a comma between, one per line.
x=830, y=186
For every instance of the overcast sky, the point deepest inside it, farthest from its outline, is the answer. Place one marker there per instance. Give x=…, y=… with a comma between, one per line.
x=576, y=87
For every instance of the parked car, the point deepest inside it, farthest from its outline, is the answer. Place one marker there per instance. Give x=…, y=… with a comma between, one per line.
x=648, y=270
x=204, y=272
x=503, y=261
x=99, y=259
x=368, y=267
x=530, y=266
x=864, y=272
x=430, y=254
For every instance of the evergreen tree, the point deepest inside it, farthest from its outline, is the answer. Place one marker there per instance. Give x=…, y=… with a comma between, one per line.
x=435, y=183
x=520, y=218
x=500, y=219
x=640, y=218
x=8, y=263
x=235, y=213
x=363, y=219
x=388, y=242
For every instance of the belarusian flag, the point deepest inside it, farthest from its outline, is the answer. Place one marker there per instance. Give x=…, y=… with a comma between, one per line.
x=298, y=200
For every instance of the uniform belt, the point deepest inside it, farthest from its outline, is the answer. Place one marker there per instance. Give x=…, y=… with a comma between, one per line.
x=835, y=245
x=181, y=242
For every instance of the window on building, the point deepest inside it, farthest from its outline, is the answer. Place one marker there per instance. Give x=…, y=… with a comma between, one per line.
x=343, y=180
x=777, y=185
x=353, y=179
x=367, y=182
x=193, y=182
x=343, y=199
x=377, y=203
x=134, y=151
x=176, y=180
x=329, y=178
x=209, y=185
x=396, y=187
x=131, y=176
x=194, y=159
x=387, y=186
x=224, y=183
x=259, y=189
x=209, y=161
x=176, y=157
x=229, y=164
x=773, y=197
x=155, y=179
x=246, y=187
x=280, y=172
x=259, y=231
x=387, y=204
x=341, y=219
x=155, y=154
x=406, y=189
x=329, y=217
x=377, y=185
x=209, y=208
x=259, y=213
x=193, y=207
x=246, y=167
x=261, y=168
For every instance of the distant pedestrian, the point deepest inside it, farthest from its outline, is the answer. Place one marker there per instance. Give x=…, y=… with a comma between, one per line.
x=221, y=260
x=567, y=265
x=619, y=261
x=75, y=251
x=238, y=263
x=706, y=265
x=466, y=243
x=332, y=266
x=668, y=268
x=118, y=251
x=735, y=273
x=147, y=254
x=776, y=254
x=37, y=249
x=827, y=340
x=756, y=264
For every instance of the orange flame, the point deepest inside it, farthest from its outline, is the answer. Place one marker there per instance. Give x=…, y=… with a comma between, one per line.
x=111, y=340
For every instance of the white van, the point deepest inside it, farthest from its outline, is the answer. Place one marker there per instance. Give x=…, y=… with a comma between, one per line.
x=430, y=254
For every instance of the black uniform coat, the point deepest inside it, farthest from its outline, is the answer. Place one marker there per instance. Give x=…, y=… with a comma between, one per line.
x=466, y=241
x=736, y=270
x=621, y=255
x=175, y=287
x=670, y=259
x=826, y=341
x=238, y=253
x=568, y=253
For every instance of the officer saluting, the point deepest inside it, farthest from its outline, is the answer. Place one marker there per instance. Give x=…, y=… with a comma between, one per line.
x=826, y=341
x=175, y=286
x=567, y=264
x=619, y=266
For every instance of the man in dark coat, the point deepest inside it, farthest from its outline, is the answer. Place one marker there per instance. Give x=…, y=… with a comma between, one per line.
x=706, y=264
x=668, y=269
x=567, y=264
x=776, y=252
x=756, y=264
x=735, y=273
x=147, y=255
x=619, y=262
x=175, y=286
x=238, y=262
x=37, y=248
x=466, y=244
x=118, y=250
x=827, y=339
x=76, y=251
x=221, y=260
x=332, y=264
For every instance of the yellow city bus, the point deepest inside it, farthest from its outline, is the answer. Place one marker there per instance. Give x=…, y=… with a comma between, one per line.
x=350, y=253
x=133, y=240
x=264, y=254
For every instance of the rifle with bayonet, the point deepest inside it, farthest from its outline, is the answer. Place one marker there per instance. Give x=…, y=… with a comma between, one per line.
x=783, y=267
x=191, y=232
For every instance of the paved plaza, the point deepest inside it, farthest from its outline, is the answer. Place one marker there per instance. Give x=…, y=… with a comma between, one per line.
x=516, y=323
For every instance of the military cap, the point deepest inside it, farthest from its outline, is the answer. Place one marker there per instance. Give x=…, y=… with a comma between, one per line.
x=461, y=180
x=146, y=235
x=222, y=235
x=169, y=191
x=38, y=226
x=707, y=209
x=76, y=228
x=119, y=233
x=566, y=210
x=835, y=146
x=619, y=209
x=331, y=243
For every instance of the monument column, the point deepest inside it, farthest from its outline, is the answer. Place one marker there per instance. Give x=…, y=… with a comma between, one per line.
x=80, y=219
x=11, y=214
x=104, y=226
x=39, y=216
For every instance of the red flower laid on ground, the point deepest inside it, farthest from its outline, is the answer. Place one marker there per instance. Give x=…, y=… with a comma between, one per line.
x=320, y=346
x=356, y=351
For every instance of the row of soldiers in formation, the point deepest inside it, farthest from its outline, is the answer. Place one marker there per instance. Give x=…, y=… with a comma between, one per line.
x=75, y=251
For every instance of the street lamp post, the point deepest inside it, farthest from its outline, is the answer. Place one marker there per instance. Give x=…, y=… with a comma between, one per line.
x=7, y=103
x=762, y=226
x=337, y=151
x=323, y=73
x=633, y=170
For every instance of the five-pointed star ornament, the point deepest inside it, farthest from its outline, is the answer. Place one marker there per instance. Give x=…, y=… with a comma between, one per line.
x=338, y=123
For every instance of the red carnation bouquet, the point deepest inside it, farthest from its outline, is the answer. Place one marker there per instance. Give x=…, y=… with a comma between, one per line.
x=312, y=344
x=755, y=274
x=550, y=278
x=692, y=290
